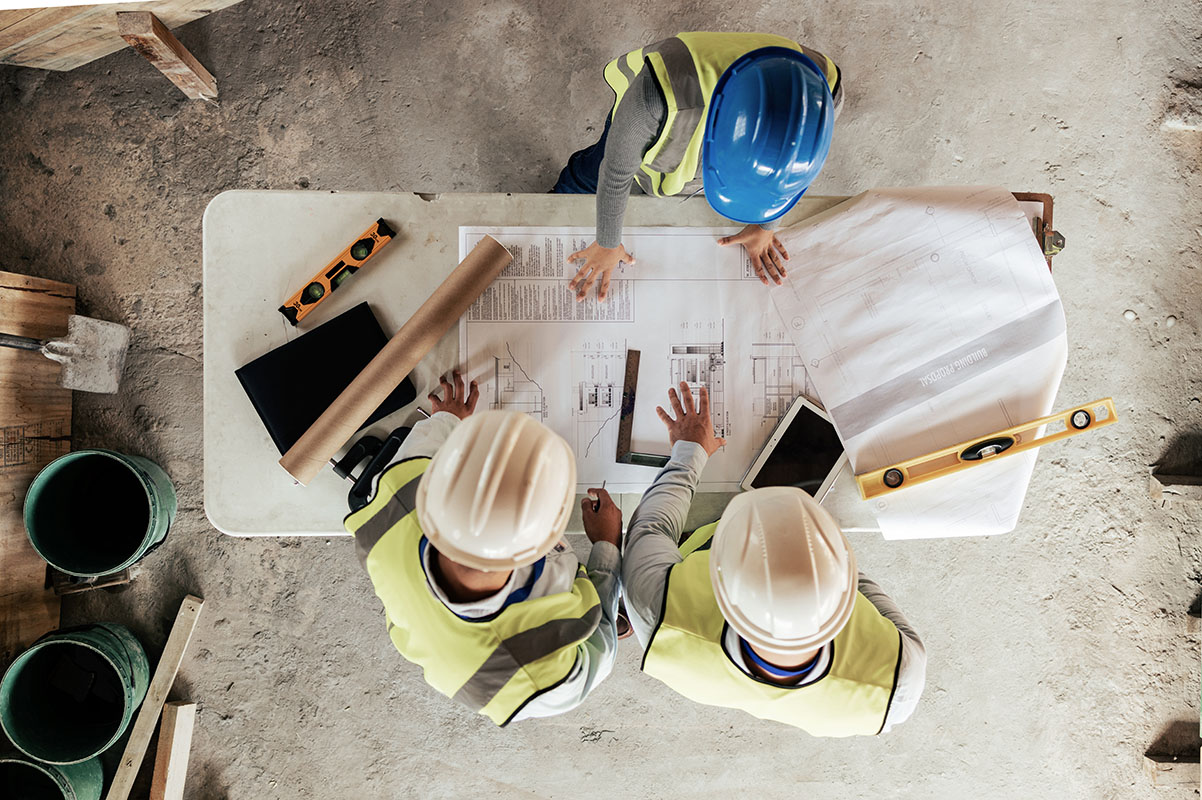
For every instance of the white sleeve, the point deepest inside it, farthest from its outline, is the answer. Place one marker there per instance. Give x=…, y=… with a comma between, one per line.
x=595, y=656
x=424, y=439
x=427, y=436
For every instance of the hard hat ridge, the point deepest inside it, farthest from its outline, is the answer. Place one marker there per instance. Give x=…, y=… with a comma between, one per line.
x=782, y=571
x=499, y=492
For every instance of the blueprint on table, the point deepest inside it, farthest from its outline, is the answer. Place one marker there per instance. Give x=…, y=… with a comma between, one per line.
x=927, y=317
x=693, y=308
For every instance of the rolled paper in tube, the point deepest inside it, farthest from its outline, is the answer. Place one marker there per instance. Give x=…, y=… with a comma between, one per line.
x=396, y=360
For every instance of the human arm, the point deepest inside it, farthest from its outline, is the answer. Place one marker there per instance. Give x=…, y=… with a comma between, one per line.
x=634, y=128
x=603, y=527
x=595, y=656
x=653, y=537
x=911, y=673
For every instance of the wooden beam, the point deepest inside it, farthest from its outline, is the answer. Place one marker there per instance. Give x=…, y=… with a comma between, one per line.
x=160, y=685
x=150, y=37
x=171, y=760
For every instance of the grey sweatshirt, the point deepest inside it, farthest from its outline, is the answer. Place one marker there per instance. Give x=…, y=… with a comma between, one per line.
x=635, y=128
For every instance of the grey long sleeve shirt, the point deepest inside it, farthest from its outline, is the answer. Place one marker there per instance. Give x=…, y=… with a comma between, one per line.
x=652, y=542
x=635, y=127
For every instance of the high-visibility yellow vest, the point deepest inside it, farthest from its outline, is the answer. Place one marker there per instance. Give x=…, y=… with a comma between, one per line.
x=686, y=653
x=493, y=665
x=686, y=68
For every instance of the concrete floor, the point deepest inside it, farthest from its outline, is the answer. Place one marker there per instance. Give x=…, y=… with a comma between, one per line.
x=1059, y=653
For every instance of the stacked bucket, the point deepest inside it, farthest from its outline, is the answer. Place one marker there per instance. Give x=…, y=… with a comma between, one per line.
x=73, y=694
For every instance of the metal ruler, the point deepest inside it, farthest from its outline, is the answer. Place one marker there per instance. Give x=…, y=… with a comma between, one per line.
x=625, y=455
x=1006, y=442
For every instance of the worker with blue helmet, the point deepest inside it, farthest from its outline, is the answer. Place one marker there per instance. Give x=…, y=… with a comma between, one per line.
x=745, y=117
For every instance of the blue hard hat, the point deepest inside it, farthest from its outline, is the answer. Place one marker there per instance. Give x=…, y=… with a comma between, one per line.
x=766, y=135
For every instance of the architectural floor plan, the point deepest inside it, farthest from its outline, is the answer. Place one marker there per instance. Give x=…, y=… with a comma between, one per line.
x=694, y=310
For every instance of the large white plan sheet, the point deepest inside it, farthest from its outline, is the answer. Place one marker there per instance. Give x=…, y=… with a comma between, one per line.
x=694, y=310
x=928, y=317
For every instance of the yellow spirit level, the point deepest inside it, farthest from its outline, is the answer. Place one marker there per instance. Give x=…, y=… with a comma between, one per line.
x=346, y=264
x=977, y=451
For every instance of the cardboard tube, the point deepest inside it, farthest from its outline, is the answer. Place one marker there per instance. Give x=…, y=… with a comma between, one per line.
x=396, y=360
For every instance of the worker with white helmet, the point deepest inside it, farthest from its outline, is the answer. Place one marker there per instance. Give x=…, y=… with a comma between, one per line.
x=764, y=610
x=463, y=542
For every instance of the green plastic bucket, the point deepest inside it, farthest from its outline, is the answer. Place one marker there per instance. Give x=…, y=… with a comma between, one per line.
x=23, y=778
x=73, y=693
x=95, y=512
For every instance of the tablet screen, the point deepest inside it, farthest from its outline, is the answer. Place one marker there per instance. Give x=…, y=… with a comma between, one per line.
x=804, y=456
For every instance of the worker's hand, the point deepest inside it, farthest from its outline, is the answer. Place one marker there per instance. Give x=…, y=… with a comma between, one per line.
x=458, y=401
x=691, y=425
x=767, y=254
x=604, y=524
x=599, y=262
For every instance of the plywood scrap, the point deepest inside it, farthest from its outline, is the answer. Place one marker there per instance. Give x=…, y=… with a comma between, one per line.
x=35, y=428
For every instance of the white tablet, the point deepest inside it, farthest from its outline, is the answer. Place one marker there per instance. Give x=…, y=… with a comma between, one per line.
x=803, y=450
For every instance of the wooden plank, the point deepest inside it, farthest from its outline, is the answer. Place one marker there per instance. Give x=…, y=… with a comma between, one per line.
x=1171, y=771
x=160, y=685
x=171, y=758
x=69, y=37
x=95, y=34
x=146, y=34
x=43, y=23
x=8, y=18
x=35, y=428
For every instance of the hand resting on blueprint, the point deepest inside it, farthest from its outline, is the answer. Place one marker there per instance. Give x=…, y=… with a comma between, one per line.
x=767, y=254
x=458, y=401
x=692, y=423
x=599, y=262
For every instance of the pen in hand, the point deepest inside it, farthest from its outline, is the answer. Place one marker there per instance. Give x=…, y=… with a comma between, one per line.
x=596, y=498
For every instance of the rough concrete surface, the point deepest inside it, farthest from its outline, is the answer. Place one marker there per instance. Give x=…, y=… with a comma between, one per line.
x=1059, y=653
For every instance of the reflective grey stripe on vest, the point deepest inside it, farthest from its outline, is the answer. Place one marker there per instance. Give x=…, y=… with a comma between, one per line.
x=520, y=650
x=626, y=71
x=402, y=502
x=690, y=102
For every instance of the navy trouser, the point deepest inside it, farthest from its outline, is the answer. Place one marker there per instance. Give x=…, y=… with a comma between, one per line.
x=581, y=174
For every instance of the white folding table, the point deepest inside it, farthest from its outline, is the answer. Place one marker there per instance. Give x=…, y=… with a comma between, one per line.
x=260, y=246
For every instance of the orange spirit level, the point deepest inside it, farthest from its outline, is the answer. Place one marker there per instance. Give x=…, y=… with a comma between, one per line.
x=1003, y=443
x=346, y=264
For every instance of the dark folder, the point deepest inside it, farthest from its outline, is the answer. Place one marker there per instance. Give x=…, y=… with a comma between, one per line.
x=292, y=385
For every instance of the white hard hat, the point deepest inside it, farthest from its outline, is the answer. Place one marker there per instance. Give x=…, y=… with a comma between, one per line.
x=783, y=573
x=498, y=494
